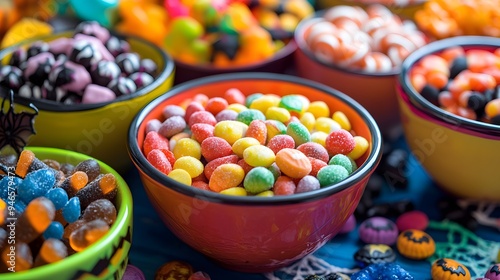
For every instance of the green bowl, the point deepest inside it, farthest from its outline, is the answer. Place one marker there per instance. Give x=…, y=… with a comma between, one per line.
x=105, y=259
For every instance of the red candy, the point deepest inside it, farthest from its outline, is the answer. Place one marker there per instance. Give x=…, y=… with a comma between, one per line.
x=234, y=95
x=258, y=130
x=314, y=150
x=201, y=131
x=412, y=220
x=284, y=185
x=215, y=147
x=192, y=108
x=281, y=141
x=216, y=104
x=212, y=165
x=316, y=165
x=160, y=161
x=153, y=141
x=340, y=142
x=202, y=117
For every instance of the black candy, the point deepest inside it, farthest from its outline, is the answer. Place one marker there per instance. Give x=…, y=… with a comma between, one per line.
x=36, y=48
x=61, y=74
x=495, y=120
x=122, y=86
x=227, y=44
x=477, y=102
x=11, y=77
x=18, y=57
x=431, y=94
x=105, y=72
x=85, y=54
x=141, y=79
x=116, y=46
x=458, y=65
x=128, y=62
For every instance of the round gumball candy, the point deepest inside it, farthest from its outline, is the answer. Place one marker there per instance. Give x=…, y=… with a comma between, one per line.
x=141, y=79
x=117, y=46
x=104, y=72
x=412, y=220
x=447, y=269
x=38, y=67
x=85, y=53
x=93, y=28
x=122, y=86
x=378, y=230
x=493, y=273
x=11, y=77
x=415, y=244
x=374, y=253
x=128, y=62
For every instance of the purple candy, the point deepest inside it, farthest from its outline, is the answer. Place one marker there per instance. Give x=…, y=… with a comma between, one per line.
x=11, y=77
x=70, y=76
x=307, y=183
x=173, y=110
x=493, y=273
x=226, y=115
x=141, y=79
x=128, y=62
x=93, y=28
x=37, y=48
x=97, y=94
x=85, y=54
x=122, y=86
x=117, y=46
x=105, y=72
x=378, y=230
x=18, y=58
x=61, y=46
x=106, y=55
x=149, y=66
x=38, y=67
x=51, y=92
x=153, y=125
x=133, y=273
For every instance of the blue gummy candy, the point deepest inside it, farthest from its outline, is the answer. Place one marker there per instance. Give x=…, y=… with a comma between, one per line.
x=382, y=271
x=55, y=230
x=71, y=211
x=19, y=206
x=58, y=196
x=36, y=184
x=9, y=184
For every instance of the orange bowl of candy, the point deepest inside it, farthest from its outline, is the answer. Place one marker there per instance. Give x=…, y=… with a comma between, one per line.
x=405, y=8
x=450, y=109
x=64, y=215
x=254, y=170
x=358, y=51
x=207, y=38
x=87, y=85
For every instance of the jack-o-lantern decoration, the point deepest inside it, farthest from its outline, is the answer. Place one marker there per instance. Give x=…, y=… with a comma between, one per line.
x=374, y=253
x=448, y=269
x=415, y=244
x=493, y=273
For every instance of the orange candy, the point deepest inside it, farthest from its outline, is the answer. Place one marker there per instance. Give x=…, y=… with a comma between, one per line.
x=226, y=176
x=293, y=163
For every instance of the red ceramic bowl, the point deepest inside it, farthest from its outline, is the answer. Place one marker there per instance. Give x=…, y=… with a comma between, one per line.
x=250, y=233
x=278, y=63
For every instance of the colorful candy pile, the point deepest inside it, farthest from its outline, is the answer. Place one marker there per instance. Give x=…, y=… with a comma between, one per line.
x=462, y=82
x=93, y=66
x=371, y=40
x=218, y=33
x=449, y=18
x=391, y=3
x=59, y=209
x=261, y=144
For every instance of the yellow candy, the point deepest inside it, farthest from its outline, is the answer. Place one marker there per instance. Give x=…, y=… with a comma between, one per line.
x=259, y=155
x=319, y=137
x=360, y=148
x=308, y=120
x=236, y=191
x=265, y=102
x=274, y=128
x=237, y=107
x=181, y=176
x=342, y=120
x=192, y=165
x=266, y=193
x=241, y=144
x=230, y=131
x=174, y=139
x=277, y=113
x=326, y=125
x=228, y=175
x=187, y=147
x=319, y=109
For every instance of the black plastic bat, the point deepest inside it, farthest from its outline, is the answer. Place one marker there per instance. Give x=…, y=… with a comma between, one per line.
x=15, y=128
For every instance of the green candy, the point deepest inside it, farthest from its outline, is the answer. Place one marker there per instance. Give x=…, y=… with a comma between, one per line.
x=331, y=174
x=258, y=179
x=247, y=116
x=342, y=160
x=275, y=170
x=299, y=133
x=251, y=98
x=292, y=103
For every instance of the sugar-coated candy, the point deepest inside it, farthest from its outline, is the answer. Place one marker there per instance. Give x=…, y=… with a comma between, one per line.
x=104, y=186
x=122, y=86
x=71, y=211
x=52, y=250
x=58, y=196
x=158, y=158
x=415, y=244
x=174, y=270
x=374, y=253
x=74, y=182
x=293, y=163
x=87, y=234
x=55, y=230
x=100, y=209
x=90, y=167
x=191, y=164
x=260, y=155
x=35, y=219
x=172, y=126
x=258, y=179
x=378, y=230
x=215, y=147
x=340, y=142
x=444, y=269
x=342, y=160
x=382, y=271
x=331, y=174
x=187, y=147
x=23, y=257
x=132, y=272
x=280, y=142
x=227, y=175
x=36, y=184
x=181, y=176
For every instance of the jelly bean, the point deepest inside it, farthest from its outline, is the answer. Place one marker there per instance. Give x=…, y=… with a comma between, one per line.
x=216, y=104
x=200, y=185
x=258, y=179
x=212, y=165
x=360, y=148
x=201, y=131
x=153, y=140
x=234, y=95
x=174, y=139
x=293, y=163
x=187, y=147
x=55, y=230
x=415, y=244
x=277, y=113
x=299, y=133
x=104, y=186
x=284, y=185
x=331, y=174
x=308, y=120
x=100, y=209
x=269, y=193
x=241, y=144
x=58, y=196
x=215, y=147
x=236, y=191
x=181, y=176
x=160, y=161
x=340, y=142
x=257, y=129
x=71, y=211
x=315, y=150
x=280, y=142
x=247, y=116
x=172, y=126
x=259, y=155
x=88, y=234
x=293, y=103
x=192, y=165
x=251, y=98
x=230, y=130
x=202, y=117
x=342, y=120
x=246, y=167
x=307, y=183
x=225, y=176
x=39, y=213
x=319, y=137
x=319, y=109
x=265, y=102
x=342, y=160
x=173, y=110
x=316, y=165
x=274, y=128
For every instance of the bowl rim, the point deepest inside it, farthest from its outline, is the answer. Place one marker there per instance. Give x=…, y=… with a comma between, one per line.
x=124, y=213
x=302, y=46
x=288, y=49
x=46, y=105
x=146, y=168
x=431, y=109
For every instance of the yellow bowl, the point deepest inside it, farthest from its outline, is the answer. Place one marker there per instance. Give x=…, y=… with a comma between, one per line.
x=98, y=130
x=105, y=259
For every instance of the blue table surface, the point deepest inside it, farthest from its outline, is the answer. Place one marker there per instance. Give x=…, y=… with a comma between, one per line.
x=153, y=244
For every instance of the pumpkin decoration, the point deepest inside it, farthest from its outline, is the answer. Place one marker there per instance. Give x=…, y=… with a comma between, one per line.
x=374, y=253
x=415, y=244
x=448, y=269
x=493, y=273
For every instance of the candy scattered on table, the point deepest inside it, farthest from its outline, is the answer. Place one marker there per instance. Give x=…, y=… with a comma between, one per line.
x=374, y=253
x=382, y=271
x=378, y=230
x=447, y=269
x=267, y=146
x=178, y=270
x=373, y=40
x=412, y=220
x=493, y=272
x=415, y=244
x=85, y=68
